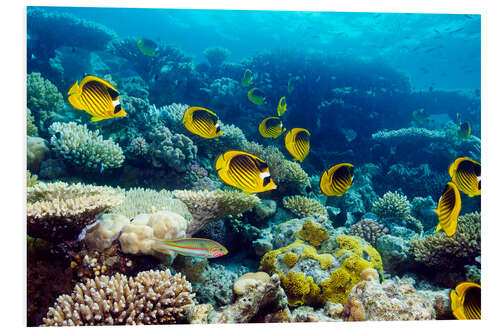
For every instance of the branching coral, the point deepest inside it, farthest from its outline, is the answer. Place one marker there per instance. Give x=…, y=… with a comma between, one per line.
x=85, y=148
x=31, y=129
x=209, y=206
x=152, y=297
x=440, y=251
x=409, y=135
x=59, y=212
x=31, y=180
x=303, y=206
x=216, y=55
x=42, y=95
x=392, y=204
x=369, y=230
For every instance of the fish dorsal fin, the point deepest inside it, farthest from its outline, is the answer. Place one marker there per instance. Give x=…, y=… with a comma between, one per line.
x=90, y=78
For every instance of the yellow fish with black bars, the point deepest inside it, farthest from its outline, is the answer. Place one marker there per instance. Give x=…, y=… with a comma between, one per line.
x=202, y=122
x=466, y=174
x=97, y=97
x=297, y=142
x=271, y=127
x=148, y=47
x=464, y=131
x=247, y=79
x=465, y=301
x=244, y=171
x=282, y=106
x=448, y=208
x=337, y=180
x=256, y=96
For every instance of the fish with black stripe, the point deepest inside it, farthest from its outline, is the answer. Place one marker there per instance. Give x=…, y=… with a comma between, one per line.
x=337, y=180
x=465, y=301
x=97, y=97
x=448, y=208
x=466, y=174
x=202, y=122
x=297, y=143
x=244, y=171
x=271, y=127
x=465, y=129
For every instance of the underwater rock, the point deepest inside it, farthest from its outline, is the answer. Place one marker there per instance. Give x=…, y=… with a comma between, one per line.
x=261, y=246
x=265, y=209
x=38, y=151
x=52, y=168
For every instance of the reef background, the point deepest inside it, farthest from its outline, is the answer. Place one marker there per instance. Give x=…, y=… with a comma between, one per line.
x=354, y=89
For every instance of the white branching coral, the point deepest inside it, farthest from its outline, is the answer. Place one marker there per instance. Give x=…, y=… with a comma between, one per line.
x=152, y=297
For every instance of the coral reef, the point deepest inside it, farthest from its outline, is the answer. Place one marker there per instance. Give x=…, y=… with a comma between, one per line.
x=31, y=129
x=303, y=206
x=216, y=55
x=59, y=212
x=265, y=209
x=84, y=148
x=209, y=206
x=409, y=135
x=106, y=230
x=31, y=180
x=152, y=297
x=392, y=204
x=369, y=230
x=37, y=151
x=394, y=252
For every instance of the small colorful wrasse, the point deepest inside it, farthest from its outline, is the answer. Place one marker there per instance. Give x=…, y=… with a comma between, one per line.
x=193, y=247
x=297, y=143
x=466, y=174
x=465, y=301
x=96, y=97
x=282, y=106
x=202, y=122
x=271, y=127
x=448, y=208
x=337, y=180
x=247, y=80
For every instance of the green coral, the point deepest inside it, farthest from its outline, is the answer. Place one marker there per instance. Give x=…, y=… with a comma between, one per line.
x=31, y=180
x=392, y=204
x=303, y=206
x=85, y=148
x=43, y=99
x=312, y=233
x=31, y=129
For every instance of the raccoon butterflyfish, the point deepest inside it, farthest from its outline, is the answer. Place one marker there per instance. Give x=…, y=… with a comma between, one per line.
x=466, y=174
x=465, y=301
x=244, y=171
x=256, y=96
x=290, y=86
x=297, y=143
x=449, y=207
x=271, y=127
x=282, y=106
x=96, y=97
x=464, y=131
x=202, y=122
x=337, y=180
x=147, y=47
x=193, y=247
x=247, y=79
x=420, y=116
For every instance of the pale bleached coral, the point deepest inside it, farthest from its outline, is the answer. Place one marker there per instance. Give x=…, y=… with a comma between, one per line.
x=303, y=206
x=392, y=204
x=209, y=206
x=105, y=231
x=144, y=200
x=152, y=297
x=248, y=281
x=59, y=212
x=85, y=148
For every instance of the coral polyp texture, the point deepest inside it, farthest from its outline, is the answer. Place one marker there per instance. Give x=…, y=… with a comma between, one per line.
x=302, y=206
x=85, y=148
x=369, y=230
x=152, y=297
x=59, y=212
x=392, y=204
x=209, y=206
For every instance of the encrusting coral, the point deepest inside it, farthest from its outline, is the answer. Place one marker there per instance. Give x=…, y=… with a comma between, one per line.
x=392, y=204
x=85, y=148
x=152, y=297
x=369, y=230
x=59, y=212
x=303, y=206
x=209, y=206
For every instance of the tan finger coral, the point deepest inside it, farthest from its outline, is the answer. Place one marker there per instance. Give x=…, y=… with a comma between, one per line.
x=152, y=297
x=59, y=212
x=303, y=206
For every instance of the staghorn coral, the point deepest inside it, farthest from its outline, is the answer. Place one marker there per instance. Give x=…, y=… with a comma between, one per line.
x=31, y=129
x=302, y=206
x=140, y=200
x=59, y=212
x=369, y=230
x=85, y=148
x=440, y=251
x=209, y=206
x=392, y=204
x=152, y=297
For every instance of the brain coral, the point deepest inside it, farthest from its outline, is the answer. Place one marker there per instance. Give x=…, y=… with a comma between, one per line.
x=85, y=148
x=392, y=204
x=303, y=206
x=309, y=276
x=152, y=297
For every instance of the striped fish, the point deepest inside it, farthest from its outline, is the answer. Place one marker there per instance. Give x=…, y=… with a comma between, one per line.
x=96, y=97
x=282, y=106
x=297, y=143
x=256, y=96
x=193, y=247
x=466, y=174
x=202, y=122
x=337, y=180
x=465, y=301
x=244, y=171
x=464, y=131
x=247, y=80
x=448, y=208
x=271, y=127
